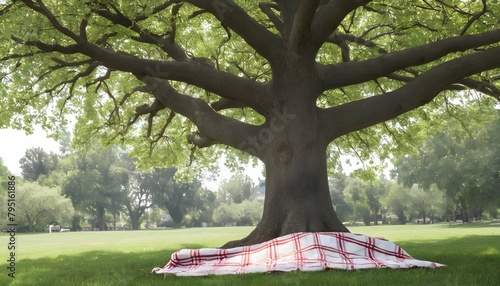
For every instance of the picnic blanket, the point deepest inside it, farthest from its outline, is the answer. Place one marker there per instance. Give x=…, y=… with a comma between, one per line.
x=304, y=251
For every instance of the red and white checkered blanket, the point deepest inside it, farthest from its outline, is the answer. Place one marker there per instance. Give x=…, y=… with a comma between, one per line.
x=304, y=251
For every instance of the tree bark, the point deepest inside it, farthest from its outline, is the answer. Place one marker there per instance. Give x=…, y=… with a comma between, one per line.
x=463, y=206
x=293, y=148
x=297, y=197
x=100, y=218
x=134, y=218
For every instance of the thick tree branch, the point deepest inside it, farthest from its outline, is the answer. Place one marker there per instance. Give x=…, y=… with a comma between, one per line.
x=277, y=22
x=485, y=87
x=47, y=48
x=373, y=110
x=192, y=72
x=226, y=104
x=329, y=18
x=213, y=127
x=230, y=14
x=344, y=74
x=301, y=28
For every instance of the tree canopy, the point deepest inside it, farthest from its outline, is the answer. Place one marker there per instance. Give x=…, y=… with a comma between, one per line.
x=102, y=61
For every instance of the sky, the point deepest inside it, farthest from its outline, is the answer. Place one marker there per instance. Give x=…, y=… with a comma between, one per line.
x=13, y=145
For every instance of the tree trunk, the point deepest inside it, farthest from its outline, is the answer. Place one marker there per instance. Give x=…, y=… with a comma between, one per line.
x=134, y=218
x=31, y=224
x=100, y=218
x=297, y=192
x=175, y=212
x=297, y=200
x=401, y=217
x=463, y=206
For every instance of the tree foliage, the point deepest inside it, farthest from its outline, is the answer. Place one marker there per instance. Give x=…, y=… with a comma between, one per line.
x=36, y=162
x=237, y=189
x=244, y=213
x=177, y=197
x=465, y=166
x=96, y=184
x=87, y=58
x=38, y=206
x=4, y=176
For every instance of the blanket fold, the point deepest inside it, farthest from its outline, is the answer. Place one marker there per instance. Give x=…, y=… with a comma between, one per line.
x=304, y=251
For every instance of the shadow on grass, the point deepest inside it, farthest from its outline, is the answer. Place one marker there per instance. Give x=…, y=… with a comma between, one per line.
x=471, y=260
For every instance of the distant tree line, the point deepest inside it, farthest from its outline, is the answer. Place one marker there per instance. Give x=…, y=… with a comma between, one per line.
x=102, y=189
x=454, y=175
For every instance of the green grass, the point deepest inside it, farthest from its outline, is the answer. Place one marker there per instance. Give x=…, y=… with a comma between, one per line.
x=471, y=252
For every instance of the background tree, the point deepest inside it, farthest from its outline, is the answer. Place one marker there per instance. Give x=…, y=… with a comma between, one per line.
x=237, y=189
x=96, y=183
x=203, y=208
x=137, y=198
x=279, y=81
x=241, y=214
x=374, y=190
x=4, y=175
x=355, y=193
x=461, y=165
x=36, y=162
x=398, y=199
x=177, y=197
x=38, y=206
x=338, y=185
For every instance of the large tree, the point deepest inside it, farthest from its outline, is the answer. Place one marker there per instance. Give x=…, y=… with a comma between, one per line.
x=278, y=80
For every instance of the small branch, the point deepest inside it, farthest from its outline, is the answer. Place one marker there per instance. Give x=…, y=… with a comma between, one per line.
x=167, y=44
x=6, y=9
x=484, y=87
x=71, y=49
x=474, y=18
x=156, y=10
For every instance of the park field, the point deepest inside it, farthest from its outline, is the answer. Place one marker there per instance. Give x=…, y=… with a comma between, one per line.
x=471, y=253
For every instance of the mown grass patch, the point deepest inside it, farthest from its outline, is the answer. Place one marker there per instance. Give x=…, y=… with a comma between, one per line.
x=472, y=255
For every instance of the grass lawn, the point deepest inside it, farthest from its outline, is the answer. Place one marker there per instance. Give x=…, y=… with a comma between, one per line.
x=471, y=252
